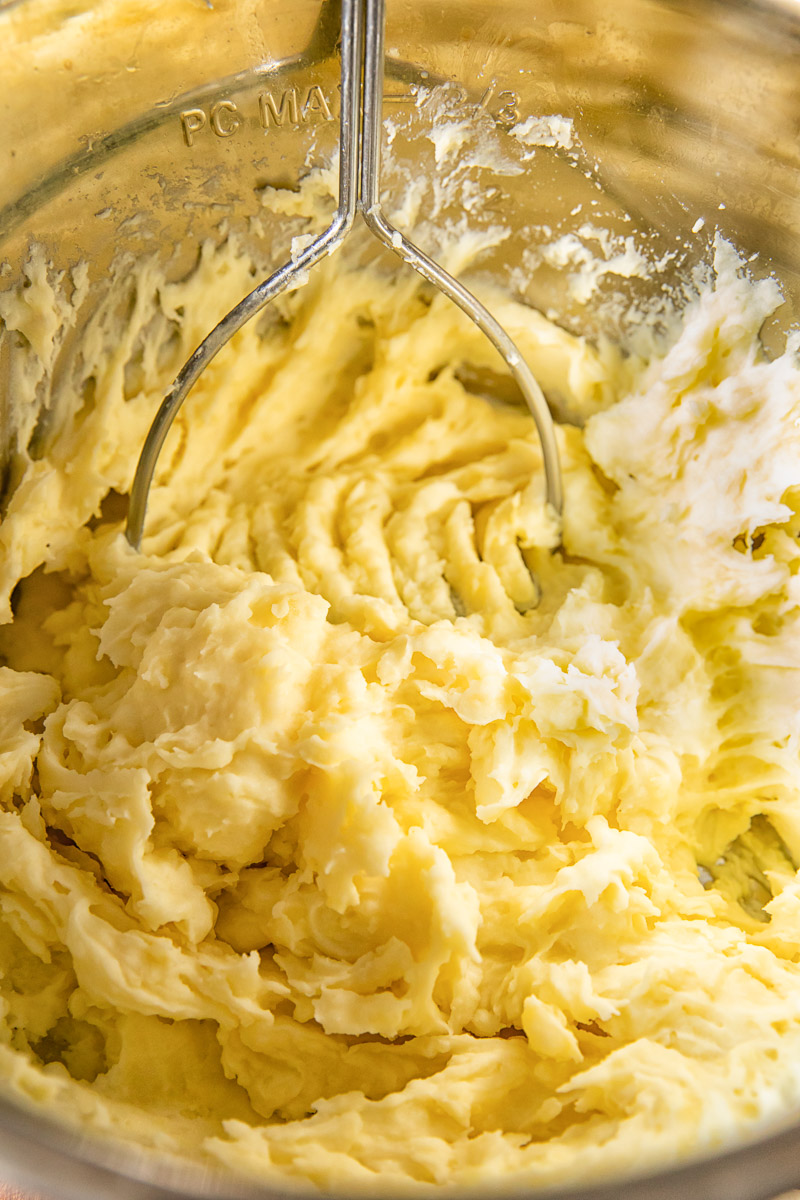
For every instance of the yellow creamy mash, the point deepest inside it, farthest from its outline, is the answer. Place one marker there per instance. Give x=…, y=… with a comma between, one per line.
x=354, y=832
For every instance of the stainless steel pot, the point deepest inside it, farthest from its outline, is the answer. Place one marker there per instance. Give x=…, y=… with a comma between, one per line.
x=155, y=133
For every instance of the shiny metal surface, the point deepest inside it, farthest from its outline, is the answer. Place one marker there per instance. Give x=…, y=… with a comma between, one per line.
x=287, y=276
x=405, y=249
x=686, y=109
x=360, y=129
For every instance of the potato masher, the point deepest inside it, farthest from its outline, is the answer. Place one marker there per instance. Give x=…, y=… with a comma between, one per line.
x=360, y=125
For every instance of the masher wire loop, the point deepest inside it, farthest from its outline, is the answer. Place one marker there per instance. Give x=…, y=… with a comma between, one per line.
x=360, y=126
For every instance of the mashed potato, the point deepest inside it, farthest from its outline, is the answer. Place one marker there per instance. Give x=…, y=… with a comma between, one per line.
x=355, y=833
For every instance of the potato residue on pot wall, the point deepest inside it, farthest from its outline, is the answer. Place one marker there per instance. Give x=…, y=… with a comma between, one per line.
x=353, y=833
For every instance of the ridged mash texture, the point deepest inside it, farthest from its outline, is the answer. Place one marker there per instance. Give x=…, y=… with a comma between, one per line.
x=354, y=833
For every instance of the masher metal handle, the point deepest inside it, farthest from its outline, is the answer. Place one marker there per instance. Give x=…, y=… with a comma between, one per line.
x=370, y=205
x=286, y=276
x=360, y=126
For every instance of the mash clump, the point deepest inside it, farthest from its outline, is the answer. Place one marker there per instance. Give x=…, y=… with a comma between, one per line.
x=355, y=832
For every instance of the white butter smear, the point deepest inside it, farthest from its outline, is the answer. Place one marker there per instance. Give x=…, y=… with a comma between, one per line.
x=586, y=268
x=550, y=130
